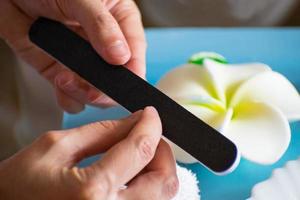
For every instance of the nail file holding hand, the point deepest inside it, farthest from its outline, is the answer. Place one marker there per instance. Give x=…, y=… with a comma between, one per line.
x=204, y=143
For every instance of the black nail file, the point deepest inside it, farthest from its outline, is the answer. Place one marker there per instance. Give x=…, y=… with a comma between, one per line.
x=180, y=126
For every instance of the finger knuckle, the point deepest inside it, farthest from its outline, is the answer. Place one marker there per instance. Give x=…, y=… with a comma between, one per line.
x=107, y=125
x=51, y=138
x=128, y=8
x=63, y=6
x=152, y=197
x=146, y=148
x=105, y=23
x=171, y=186
x=102, y=17
x=85, y=193
x=105, y=188
x=46, y=3
x=92, y=189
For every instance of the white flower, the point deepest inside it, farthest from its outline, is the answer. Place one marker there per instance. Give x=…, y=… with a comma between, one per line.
x=248, y=103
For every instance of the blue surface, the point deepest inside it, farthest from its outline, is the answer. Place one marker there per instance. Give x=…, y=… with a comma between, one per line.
x=167, y=48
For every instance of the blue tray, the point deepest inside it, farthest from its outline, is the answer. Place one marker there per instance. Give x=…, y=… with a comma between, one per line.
x=167, y=48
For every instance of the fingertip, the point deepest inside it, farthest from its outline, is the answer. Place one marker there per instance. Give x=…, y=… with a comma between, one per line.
x=103, y=102
x=150, y=110
x=118, y=52
x=103, y=31
x=67, y=103
x=150, y=118
x=70, y=106
x=137, y=66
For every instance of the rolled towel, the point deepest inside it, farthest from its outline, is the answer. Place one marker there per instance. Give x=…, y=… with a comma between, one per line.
x=188, y=185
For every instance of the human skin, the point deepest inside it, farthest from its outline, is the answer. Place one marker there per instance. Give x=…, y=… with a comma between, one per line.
x=135, y=156
x=113, y=27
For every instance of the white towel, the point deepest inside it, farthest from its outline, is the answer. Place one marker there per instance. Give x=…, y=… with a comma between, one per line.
x=188, y=185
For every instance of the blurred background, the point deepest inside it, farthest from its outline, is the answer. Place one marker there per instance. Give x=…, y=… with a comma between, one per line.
x=207, y=13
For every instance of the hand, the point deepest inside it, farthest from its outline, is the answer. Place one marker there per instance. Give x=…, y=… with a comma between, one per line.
x=113, y=27
x=136, y=156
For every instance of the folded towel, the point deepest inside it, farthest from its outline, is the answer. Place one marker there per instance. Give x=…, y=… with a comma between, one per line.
x=188, y=185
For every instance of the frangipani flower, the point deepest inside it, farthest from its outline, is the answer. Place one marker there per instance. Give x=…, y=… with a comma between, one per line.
x=248, y=103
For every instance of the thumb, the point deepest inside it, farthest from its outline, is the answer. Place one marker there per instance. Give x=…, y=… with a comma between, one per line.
x=102, y=29
x=126, y=159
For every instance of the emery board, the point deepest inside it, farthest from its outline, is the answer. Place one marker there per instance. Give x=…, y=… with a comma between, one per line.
x=201, y=141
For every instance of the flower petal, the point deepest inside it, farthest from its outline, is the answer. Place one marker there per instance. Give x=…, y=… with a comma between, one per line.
x=189, y=83
x=272, y=88
x=228, y=77
x=260, y=131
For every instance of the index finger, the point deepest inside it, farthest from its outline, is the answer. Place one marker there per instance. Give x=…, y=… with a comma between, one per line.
x=127, y=158
x=129, y=18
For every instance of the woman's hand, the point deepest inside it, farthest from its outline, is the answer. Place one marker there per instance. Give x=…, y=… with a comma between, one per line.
x=113, y=27
x=136, y=156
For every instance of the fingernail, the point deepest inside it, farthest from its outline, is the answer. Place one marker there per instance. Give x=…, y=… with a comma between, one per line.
x=66, y=82
x=105, y=101
x=95, y=97
x=97, y=101
x=150, y=109
x=118, y=49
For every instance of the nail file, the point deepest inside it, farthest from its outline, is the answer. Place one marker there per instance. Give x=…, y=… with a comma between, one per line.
x=201, y=141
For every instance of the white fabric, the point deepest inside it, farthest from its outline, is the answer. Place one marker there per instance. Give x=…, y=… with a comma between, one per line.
x=188, y=185
x=27, y=104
